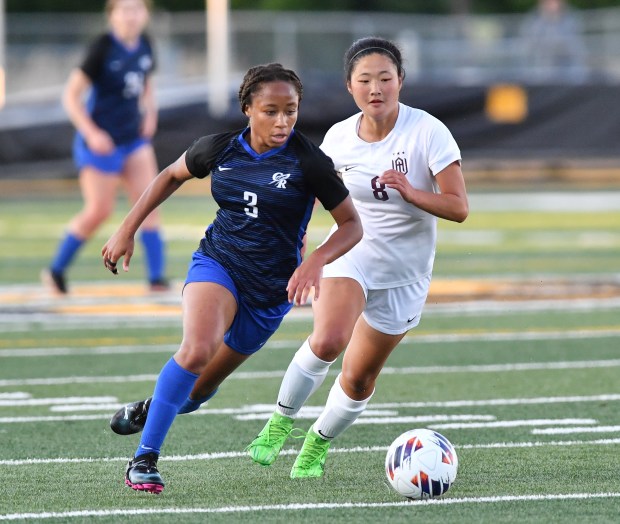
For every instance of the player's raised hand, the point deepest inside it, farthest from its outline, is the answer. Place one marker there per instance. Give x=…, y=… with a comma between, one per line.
x=100, y=142
x=397, y=180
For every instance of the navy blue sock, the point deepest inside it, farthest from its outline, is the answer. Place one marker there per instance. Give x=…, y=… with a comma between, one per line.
x=192, y=405
x=171, y=389
x=65, y=252
x=154, y=253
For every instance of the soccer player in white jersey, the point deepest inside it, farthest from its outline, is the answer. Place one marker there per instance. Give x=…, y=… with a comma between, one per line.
x=403, y=170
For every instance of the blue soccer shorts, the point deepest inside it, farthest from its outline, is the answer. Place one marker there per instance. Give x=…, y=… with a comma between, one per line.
x=111, y=164
x=252, y=326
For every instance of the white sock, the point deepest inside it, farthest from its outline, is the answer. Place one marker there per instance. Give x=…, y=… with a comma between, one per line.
x=303, y=377
x=339, y=413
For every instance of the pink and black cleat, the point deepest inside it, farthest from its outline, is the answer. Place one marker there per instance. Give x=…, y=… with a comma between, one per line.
x=142, y=474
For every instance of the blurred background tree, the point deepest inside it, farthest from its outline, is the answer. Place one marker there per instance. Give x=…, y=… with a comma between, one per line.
x=411, y=6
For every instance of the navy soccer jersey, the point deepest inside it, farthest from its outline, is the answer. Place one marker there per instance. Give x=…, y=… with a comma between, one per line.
x=265, y=203
x=118, y=75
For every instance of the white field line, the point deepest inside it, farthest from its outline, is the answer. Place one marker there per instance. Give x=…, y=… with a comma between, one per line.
x=570, y=201
x=308, y=411
x=93, y=350
x=493, y=368
x=58, y=381
x=285, y=452
x=306, y=506
x=565, y=431
x=430, y=420
x=501, y=401
x=370, y=416
x=19, y=322
x=16, y=322
x=305, y=413
x=442, y=338
x=52, y=401
x=263, y=410
x=501, y=307
x=503, y=423
x=253, y=375
x=16, y=395
x=51, y=418
x=314, y=411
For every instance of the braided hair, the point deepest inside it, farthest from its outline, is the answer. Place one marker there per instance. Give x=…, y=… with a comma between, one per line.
x=261, y=74
x=368, y=46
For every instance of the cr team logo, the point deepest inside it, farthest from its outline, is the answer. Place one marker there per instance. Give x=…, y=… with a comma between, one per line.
x=279, y=179
x=400, y=162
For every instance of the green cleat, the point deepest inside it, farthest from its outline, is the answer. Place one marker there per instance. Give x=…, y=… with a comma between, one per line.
x=311, y=459
x=265, y=448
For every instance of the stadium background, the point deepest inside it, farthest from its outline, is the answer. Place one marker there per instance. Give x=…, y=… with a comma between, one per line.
x=470, y=69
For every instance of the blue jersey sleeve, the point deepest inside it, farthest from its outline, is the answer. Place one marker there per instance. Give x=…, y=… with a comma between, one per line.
x=92, y=65
x=149, y=45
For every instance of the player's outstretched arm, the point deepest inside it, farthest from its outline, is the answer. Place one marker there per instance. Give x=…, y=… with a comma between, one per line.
x=121, y=243
x=73, y=98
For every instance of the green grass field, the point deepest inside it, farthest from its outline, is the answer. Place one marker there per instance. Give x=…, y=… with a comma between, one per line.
x=527, y=391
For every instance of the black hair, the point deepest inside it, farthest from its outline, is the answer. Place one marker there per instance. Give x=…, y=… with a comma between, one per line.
x=261, y=74
x=369, y=45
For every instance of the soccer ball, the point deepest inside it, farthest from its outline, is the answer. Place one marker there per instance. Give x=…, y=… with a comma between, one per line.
x=421, y=464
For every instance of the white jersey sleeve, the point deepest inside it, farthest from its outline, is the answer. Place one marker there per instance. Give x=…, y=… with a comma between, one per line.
x=398, y=246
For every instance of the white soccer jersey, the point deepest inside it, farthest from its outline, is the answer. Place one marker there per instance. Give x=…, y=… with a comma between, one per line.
x=398, y=246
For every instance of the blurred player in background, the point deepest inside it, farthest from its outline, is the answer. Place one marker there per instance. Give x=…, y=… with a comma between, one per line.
x=248, y=270
x=110, y=100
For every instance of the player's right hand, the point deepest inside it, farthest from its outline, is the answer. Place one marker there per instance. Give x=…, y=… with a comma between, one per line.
x=117, y=247
x=100, y=142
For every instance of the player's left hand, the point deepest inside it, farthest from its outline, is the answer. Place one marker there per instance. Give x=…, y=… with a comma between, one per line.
x=397, y=180
x=305, y=277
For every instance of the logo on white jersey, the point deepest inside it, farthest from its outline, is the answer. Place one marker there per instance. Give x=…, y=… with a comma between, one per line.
x=400, y=162
x=279, y=179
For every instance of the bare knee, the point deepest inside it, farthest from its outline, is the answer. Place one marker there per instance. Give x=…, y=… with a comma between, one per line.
x=87, y=222
x=328, y=346
x=358, y=386
x=194, y=356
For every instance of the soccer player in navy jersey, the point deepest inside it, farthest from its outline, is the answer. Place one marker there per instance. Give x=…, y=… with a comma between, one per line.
x=247, y=272
x=112, y=146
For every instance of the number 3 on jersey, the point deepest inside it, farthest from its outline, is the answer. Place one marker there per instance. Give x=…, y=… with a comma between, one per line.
x=252, y=209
